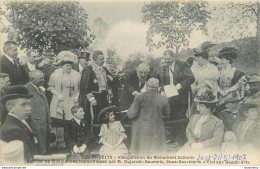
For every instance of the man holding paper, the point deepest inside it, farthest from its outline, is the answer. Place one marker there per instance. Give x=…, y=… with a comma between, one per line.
x=175, y=81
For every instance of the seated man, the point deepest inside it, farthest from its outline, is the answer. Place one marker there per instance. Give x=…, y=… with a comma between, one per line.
x=231, y=115
x=18, y=103
x=77, y=134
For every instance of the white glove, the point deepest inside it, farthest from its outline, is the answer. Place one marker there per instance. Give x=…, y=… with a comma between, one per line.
x=76, y=149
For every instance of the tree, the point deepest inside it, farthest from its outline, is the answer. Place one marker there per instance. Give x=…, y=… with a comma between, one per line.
x=53, y=25
x=173, y=22
x=236, y=20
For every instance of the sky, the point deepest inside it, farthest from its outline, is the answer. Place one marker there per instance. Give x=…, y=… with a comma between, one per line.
x=127, y=33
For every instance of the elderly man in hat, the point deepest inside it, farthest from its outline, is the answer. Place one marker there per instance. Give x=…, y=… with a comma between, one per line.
x=231, y=115
x=147, y=111
x=17, y=100
x=40, y=113
x=83, y=62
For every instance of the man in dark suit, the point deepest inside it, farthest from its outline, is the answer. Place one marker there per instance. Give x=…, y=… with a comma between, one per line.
x=177, y=73
x=32, y=56
x=18, y=103
x=94, y=88
x=40, y=113
x=83, y=62
x=134, y=85
x=5, y=83
x=47, y=69
x=11, y=66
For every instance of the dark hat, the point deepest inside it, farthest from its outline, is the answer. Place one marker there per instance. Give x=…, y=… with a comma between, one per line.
x=84, y=55
x=107, y=110
x=232, y=100
x=228, y=53
x=14, y=92
x=66, y=62
x=204, y=55
x=206, y=97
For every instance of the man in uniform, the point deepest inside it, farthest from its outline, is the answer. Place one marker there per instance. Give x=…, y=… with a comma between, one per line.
x=94, y=88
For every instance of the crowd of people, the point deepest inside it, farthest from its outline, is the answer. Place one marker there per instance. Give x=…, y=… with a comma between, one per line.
x=74, y=101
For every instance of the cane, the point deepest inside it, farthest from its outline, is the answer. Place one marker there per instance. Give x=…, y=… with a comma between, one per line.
x=92, y=119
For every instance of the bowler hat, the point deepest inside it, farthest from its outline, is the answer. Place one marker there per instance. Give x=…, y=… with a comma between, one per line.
x=14, y=92
x=107, y=110
x=84, y=55
x=228, y=53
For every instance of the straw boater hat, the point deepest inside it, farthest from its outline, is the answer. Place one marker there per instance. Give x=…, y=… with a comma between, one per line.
x=228, y=53
x=107, y=110
x=14, y=92
x=66, y=57
x=206, y=97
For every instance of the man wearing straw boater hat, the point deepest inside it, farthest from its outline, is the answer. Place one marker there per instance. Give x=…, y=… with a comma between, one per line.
x=18, y=103
x=148, y=133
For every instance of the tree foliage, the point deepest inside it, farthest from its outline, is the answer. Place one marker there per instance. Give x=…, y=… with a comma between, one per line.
x=173, y=22
x=54, y=25
x=234, y=20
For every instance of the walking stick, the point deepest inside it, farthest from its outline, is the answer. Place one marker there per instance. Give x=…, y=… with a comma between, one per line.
x=92, y=119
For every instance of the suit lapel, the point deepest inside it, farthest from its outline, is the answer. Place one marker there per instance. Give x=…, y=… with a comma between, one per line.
x=166, y=75
x=175, y=73
x=19, y=123
x=35, y=90
x=195, y=120
x=208, y=119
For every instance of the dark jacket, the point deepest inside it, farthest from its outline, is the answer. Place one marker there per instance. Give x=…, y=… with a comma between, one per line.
x=76, y=67
x=89, y=84
x=16, y=72
x=182, y=75
x=131, y=84
x=14, y=129
x=76, y=134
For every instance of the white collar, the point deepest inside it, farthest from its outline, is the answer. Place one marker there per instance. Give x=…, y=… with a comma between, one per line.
x=13, y=115
x=80, y=68
x=9, y=58
x=34, y=86
x=172, y=66
x=77, y=120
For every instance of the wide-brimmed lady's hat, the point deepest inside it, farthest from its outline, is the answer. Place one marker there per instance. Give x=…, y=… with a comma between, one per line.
x=67, y=57
x=15, y=92
x=206, y=97
x=106, y=110
x=228, y=52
